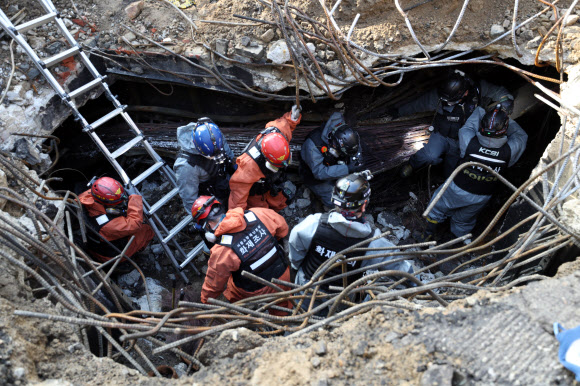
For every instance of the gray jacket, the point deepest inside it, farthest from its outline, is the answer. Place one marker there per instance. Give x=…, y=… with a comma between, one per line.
x=516, y=136
x=189, y=177
x=312, y=156
x=302, y=234
x=430, y=100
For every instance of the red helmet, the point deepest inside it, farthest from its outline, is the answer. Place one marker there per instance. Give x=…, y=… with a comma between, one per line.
x=202, y=207
x=108, y=191
x=276, y=149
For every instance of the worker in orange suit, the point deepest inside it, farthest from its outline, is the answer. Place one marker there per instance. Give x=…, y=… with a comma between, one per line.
x=116, y=217
x=244, y=241
x=259, y=179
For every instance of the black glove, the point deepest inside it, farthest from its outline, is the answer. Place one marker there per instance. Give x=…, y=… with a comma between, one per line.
x=352, y=167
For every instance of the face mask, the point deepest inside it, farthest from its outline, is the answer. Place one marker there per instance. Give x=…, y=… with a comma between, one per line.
x=210, y=237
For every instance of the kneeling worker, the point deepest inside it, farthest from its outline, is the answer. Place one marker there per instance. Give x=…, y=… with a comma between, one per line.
x=320, y=236
x=491, y=139
x=329, y=153
x=116, y=217
x=244, y=241
x=259, y=178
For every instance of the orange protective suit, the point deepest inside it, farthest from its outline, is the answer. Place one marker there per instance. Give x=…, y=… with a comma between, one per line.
x=223, y=261
x=249, y=172
x=123, y=226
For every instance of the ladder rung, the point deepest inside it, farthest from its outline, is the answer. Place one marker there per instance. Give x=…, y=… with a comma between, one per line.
x=140, y=178
x=44, y=19
x=107, y=117
x=123, y=149
x=61, y=56
x=192, y=254
x=155, y=207
x=84, y=88
x=182, y=224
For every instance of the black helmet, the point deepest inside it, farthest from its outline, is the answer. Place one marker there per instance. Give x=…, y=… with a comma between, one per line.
x=494, y=123
x=345, y=139
x=351, y=192
x=451, y=90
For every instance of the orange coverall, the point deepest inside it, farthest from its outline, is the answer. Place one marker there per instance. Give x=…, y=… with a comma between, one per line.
x=117, y=228
x=223, y=261
x=249, y=172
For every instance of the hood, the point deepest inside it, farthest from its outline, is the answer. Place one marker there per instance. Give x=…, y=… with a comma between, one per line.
x=93, y=207
x=493, y=143
x=232, y=223
x=184, y=138
x=348, y=228
x=336, y=119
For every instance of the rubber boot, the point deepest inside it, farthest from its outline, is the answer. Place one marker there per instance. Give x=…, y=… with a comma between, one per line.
x=429, y=232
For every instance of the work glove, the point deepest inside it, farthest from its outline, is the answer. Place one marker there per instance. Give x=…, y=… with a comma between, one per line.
x=295, y=115
x=352, y=167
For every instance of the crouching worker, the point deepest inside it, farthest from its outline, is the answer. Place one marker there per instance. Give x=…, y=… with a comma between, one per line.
x=329, y=153
x=259, y=178
x=116, y=217
x=491, y=139
x=320, y=236
x=244, y=241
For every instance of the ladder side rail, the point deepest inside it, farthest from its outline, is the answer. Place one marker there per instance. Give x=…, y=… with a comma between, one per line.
x=184, y=255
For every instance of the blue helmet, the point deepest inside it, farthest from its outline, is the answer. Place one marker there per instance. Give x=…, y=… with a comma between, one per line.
x=207, y=138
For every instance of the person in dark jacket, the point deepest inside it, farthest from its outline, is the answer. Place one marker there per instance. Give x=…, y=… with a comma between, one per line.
x=329, y=153
x=204, y=162
x=491, y=139
x=320, y=236
x=453, y=101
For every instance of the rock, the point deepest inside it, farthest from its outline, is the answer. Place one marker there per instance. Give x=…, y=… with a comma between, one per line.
x=129, y=279
x=302, y=203
x=74, y=347
x=134, y=9
x=54, y=48
x=245, y=41
x=267, y=36
x=360, y=348
x=334, y=67
x=19, y=372
x=534, y=43
x=130, y=36
x=306, y=194
x=221, y=46
x=251, y=52
x=229, y=343
x=157, y=249
x=320, y=348
x=311, y=47
x=204, y=269
x=496, y=30
x=198, y=53
x=181, y=369
x=315, y=361
x=278, y=52
x=388, y=219
x=330, y=54
x=4, y=184
x=471, y=301
x=24, y=150
x=571, y=19
x=506, y=23
x=438, y=375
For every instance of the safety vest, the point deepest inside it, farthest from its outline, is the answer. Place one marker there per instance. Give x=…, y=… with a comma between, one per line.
x=258, y=252
x=217, y=184
x=271, y=179
x=95, y=244
x=326, y=243
x=448, y=123
x=476, y=180
x=329, y=160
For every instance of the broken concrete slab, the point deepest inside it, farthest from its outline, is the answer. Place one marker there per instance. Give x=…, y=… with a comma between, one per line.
x=254, y=52
x=134, y=9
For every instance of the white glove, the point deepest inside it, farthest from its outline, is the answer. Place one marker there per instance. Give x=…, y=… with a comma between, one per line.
x=295, y=113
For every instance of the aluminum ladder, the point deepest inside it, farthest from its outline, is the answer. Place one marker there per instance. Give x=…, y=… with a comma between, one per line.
x=166, y=237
